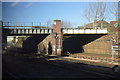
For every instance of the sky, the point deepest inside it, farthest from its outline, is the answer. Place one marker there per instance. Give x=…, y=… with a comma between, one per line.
x=0, y=10
x=43, y=12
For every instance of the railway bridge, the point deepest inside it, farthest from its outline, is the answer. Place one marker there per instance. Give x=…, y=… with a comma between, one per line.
x=55, y=38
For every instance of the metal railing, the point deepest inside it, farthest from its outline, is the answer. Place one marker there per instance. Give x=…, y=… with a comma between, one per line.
x=25, y=24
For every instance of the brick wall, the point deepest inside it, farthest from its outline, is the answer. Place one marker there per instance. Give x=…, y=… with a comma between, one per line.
x=56, y=41
x=53, y=40
x=43, y=46
x=102, y=45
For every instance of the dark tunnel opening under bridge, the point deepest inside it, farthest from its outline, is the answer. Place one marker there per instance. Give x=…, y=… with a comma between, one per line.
x=73, y=43
x=30, y=45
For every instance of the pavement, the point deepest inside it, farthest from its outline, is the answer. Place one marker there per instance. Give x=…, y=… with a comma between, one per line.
x=96, y=59
x=95, y=63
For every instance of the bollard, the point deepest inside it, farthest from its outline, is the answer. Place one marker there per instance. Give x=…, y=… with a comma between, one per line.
x=116, y=68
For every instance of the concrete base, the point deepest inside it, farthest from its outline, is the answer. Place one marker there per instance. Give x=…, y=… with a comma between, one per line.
x=58, y=51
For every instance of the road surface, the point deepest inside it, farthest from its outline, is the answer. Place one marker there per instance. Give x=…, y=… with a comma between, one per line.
x=22, y=67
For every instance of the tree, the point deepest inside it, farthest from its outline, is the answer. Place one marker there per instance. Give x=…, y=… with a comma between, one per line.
x=113, y=10
x=66, y=24
x=49, y=23
x=95, y=11
x=87, y=15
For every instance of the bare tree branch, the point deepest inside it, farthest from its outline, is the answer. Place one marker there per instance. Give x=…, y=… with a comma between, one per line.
x=95, y=11
x=113, y=9
x=66, y=24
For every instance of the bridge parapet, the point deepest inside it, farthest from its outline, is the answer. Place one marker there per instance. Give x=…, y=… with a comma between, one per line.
x=31, y=31
x=50, y=30
x=84, y=31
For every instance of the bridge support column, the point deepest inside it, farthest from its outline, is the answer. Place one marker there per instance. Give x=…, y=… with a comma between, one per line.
x=56, y=41
x=3, y=35
x=1, y=24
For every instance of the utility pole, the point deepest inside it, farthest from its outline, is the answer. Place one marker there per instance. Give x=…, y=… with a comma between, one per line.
x=40, y=24
x=32, y=23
